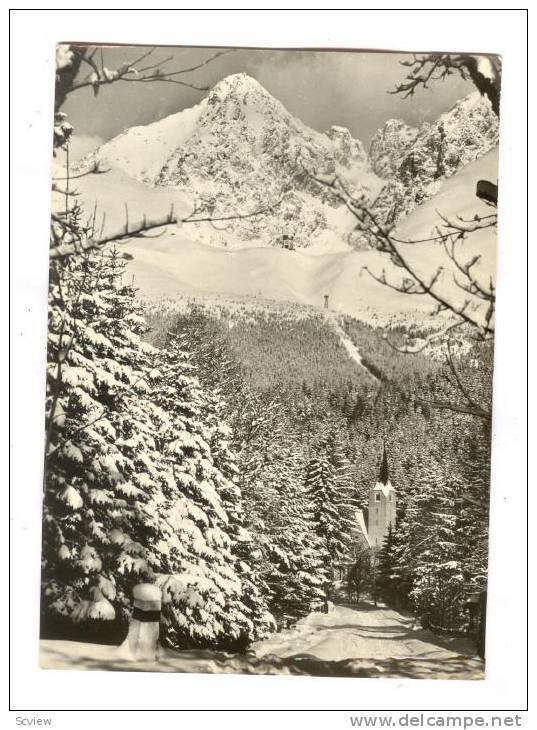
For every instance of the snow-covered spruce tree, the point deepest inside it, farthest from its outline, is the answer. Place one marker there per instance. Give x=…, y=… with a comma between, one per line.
x=410, y=534
x=347, y=499
x=361, y=576
x=321, y=488
x=285, y=557
x=204, y=582
x=289, y=557
x=277, y=534
x=255, y=593
x=295, y=556
x=100, y=449
x=473, y=491
x=397, y=583
x=438, y=580
x=226, y=396
x=131, y=490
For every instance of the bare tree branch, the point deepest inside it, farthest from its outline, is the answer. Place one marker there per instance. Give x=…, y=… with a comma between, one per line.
x=438, y=66
x=414, y=349
x=386, y=243
x=471, y=402
x=464, y=226
x=138, y=229
x=454, y=407
x=130, y=71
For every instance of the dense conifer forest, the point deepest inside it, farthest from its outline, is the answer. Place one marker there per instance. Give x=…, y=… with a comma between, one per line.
x=295, y=368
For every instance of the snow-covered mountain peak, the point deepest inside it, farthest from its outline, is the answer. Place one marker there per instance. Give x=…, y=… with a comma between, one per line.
x=238, y=86
x=416, y=161
x=469, y=102
x=244, y=153
x=469, y=128
x=241, y=100
x=348, y=150
x=393, y=126
x=240, y=150
x=387, y=144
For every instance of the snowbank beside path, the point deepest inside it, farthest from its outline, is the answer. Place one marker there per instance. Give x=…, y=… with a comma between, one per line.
x=345, y=642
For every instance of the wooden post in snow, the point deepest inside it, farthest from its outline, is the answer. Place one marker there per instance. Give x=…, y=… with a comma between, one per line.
x=142, y=640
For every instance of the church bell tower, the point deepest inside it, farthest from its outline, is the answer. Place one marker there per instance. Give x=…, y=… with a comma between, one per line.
x=382, y=503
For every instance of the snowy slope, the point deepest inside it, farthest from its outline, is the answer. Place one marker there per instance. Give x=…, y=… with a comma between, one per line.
x=178, y=263
x=456, y=197
x=173, y=265
x=142, y=151
x=237, y=151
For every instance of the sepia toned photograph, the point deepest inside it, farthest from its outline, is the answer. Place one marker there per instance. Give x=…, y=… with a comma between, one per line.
x=271, y=318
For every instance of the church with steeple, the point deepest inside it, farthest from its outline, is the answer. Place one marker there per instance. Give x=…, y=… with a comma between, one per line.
x=382, y=503
x=370, y=530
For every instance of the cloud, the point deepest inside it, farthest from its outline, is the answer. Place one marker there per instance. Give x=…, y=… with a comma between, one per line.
x=347, y=88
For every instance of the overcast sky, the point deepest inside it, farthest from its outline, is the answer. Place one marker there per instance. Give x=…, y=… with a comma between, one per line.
x=319, y=87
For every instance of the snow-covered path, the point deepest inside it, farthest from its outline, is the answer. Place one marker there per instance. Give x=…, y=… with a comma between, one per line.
x=380, y=639
x=359, y=642
x=346, y=633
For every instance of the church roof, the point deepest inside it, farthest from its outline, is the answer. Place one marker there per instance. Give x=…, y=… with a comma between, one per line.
x=361, y=525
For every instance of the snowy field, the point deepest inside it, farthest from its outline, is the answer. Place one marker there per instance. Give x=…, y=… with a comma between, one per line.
x=180, y=263
x=369, y=642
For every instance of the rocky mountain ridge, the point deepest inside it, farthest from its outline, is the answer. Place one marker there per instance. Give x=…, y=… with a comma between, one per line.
x=240, y=150
x=416, y=160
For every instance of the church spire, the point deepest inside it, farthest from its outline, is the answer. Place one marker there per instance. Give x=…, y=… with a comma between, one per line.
x=384, y=474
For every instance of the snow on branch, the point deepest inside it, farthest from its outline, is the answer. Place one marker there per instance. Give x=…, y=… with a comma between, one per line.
x=460, y=225
x=483, y=71
x=133, y=71
x=454, y=407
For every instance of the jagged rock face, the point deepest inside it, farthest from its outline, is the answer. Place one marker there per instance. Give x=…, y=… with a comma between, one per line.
x=388, y=146
x=415, y=161
x=347, y=150
x=240, y=151
x=248, y=152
